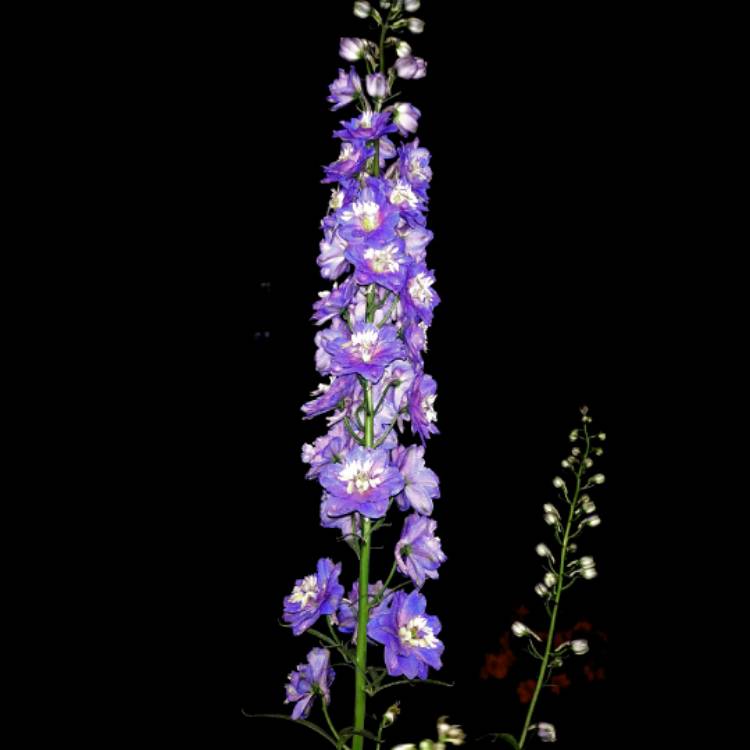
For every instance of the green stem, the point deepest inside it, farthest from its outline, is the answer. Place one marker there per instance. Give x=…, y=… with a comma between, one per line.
x=329, y=722
x=542, y=677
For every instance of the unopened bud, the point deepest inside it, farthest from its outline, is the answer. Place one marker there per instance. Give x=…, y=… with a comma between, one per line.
x=573, y=436
x=541, y=590
x=551, y=519
x=602, y=436
x=598, y=479
x=362, y=9
x=579, y=646
x=450, y=733
x=592, y=521
x=520, y=630
x=558, y=482
x=546, y=732
x=403, y=49
x=550, y=579
x=390, y=715
x=416, y=25
x=565, y=463
x=588, y=506
x=543, y=551
x=589, y=573
x=588, y=463
x=549, y=508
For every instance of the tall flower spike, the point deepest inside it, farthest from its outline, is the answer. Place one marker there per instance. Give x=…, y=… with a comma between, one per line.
x=372, y=320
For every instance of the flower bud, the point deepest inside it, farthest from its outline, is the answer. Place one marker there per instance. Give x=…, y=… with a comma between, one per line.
x=588, y=506
x=598, y=452
x=377, y=85
x=362, y=9
x=602, y=436
x=416, y=25
x=551, y=519
x=541, y=590
x=589, y=573
x=549, y=508
x=558, y=482
x=352, y=49
x=573, y=436
x=408, y=745
x=588, y=463
x=405, y=117
x=572, y=547
x=450, y=733
x=586, y=562
x=576, y=451
x=592, y=521
x=550, y=579
x=598, y=479
x=546, y=732
x=426, y=745
x=403, y=49
x=520, y=630
x=410, y=67
x=579, y=647
x=543, y=551
x=565, y=463
x=411, y=6
x=390, y=715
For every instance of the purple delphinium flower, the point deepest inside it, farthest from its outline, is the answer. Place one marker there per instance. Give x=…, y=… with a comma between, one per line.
x=386, y=265
x=346, y=88
x=352, y=49
x=377, y=85
x=420, y=298
x=405, y=117
x=332, y=303
x=371, y=218
x=415, y=240
x=366, y=350
x=415, y=338
x=369, y=126
x=348, y=610
x=313, y=678
x=313, y=596
x=330, y=395
x=422, y=406
x=418, y=552
x=323, y=358
x=362, y=482
x=408, y=635
x=414, y=165
x=421, y=485
x=350, y=162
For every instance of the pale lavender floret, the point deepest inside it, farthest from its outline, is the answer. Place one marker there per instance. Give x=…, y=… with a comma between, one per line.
x=415, y=338
x=408, y=634
x=314, y=596
x=371, y=218
x=352, y=49
x=421, y=485
x=330, y=395
x=422, y=406
x=387, y=151
x=377, y=85
x=348, y=610
x=331, y=259
x=419, y=297
x=323, y=358
x=405, y=117
x=345, y=89
x=403, y=371
x=332, y=303
x=363, y=482
x=418, y=551
x=415, y=240
x=310, y=679
x=366, y=350
x=414, y=164
x=410, y=67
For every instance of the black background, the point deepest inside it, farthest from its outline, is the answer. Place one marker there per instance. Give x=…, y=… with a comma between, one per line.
x=560, y=254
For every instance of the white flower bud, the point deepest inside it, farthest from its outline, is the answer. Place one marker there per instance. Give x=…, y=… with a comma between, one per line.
x=565, y=463
x=592, y=521
x=385, y=4
x=411, y=6
x=549, y=508
x=390, y=715
x=541, y=590
x=602, y=436
x=550, y=519
x=409, y=745
x=579, y=646
x=416, y=25
x=598, y=452
x=573, y=547
x=543, y=551
x=598, y=479
x=587, y=420
x=546, y=732
x=588, y=506
x=403, y=49
x=586, y=562
x=550, y=579
x=588, y=463
x=576, y=451
x=589, y=573
x=573, y=436
x=450, y=733
x=362, y=9
x=558, y=482
x=520, y=630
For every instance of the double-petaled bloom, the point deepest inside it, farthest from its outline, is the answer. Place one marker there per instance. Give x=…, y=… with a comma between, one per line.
x=309, y=680
x=314, y=595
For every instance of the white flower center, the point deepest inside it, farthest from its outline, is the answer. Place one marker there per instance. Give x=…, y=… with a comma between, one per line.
x=403, y=193
x=363, y=342
x=368, y=213
x=347, y=152
x=306, y=591
x=417, y=632
x=366, y=120
x=419, y=288
x=360, y=475
x=428, y=407
x=384, y=260
x=337, y=199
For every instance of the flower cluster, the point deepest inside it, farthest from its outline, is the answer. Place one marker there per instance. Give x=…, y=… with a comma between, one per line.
x=373, y=321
